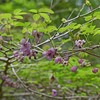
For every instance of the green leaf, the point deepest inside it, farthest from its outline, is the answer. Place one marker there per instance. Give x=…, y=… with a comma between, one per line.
x=47, y=10
x=5, y=16
x=18, y=17
x=24, y=30
x=41, y=29
x=97, y=15
x=18, y=24
x=33, y=10
x=36, y=17
x=65, y=40
x=17, y=11
x=72, y=25
x=77, y=26
x=87, y=18
x=51, y=28
x=26, y=24
x=63, y=29
x=46, y=17
x=63, y=20
x=97, y=31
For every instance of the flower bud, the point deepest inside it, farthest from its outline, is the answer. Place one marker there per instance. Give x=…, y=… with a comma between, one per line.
x=95, y=70
x=74, y=69
x=54, y=92
x=58, y=60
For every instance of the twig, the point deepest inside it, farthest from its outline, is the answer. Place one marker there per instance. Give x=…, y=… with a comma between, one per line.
x=83, y=49
x=51, y=4
x=93, y=54
x=30, y=94
x=3, y=59
x=82, y=15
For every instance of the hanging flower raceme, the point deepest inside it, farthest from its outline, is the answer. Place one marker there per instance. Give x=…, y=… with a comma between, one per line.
x=49, y=54
x=25, y=47
x=25, y=50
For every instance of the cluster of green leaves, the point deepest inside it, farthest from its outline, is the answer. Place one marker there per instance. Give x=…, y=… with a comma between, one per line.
x=36, y=20
x=40, y=73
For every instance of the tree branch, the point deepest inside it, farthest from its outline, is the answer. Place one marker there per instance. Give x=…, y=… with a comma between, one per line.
x=82, y=15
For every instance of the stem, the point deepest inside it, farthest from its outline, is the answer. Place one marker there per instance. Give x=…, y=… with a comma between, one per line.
x=82, y=15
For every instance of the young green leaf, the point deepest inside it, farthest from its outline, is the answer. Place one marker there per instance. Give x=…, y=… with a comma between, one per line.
x=18, y=17
x=5, y=16
x=46, y=10
x=17, y=11
x=51, y=28
x=36, y=17
x=46, y=17
x=33, y=10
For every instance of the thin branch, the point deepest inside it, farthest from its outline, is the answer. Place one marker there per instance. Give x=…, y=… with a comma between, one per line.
x=93, y=54
x=83, y=49
x=3, y=59
x=53, y=37
x=57, y=1
x=31, y=94
x=51, y=4
x=82, y=15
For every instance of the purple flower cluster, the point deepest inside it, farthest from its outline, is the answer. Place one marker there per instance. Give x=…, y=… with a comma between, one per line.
x=79, y=43
x=25, y=50
x=25, y=47
x=49, y=54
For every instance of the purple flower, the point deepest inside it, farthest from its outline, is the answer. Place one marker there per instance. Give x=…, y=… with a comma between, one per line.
x=66, y=57
x=25, y=50
x=79, y=43
x=25, y=47
x=16, y=53
x=58, y=60
x=95, y=70
x=37, y=36
x=54, y=92
x=33, y=53
x=23, y=41
x=80, y=61
x=49, y=54
x=74, y=69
